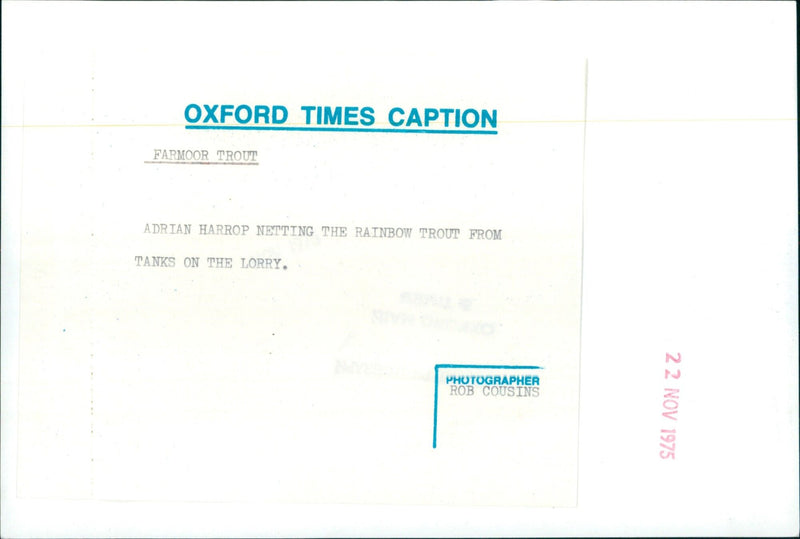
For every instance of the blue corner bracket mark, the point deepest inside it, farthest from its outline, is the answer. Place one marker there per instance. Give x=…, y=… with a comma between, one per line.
x=457, y=366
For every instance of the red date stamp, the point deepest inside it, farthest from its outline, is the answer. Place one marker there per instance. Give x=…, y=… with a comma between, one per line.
x=669, y=413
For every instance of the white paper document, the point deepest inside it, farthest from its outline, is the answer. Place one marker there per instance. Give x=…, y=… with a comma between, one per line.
x=398, y=269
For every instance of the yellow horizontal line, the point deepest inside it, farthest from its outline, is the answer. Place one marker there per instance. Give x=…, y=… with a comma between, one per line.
x=644, y=120
x=39, y=126
x=624, y=120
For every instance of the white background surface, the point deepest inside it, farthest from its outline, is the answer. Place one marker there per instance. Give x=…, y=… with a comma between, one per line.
x=690, y=235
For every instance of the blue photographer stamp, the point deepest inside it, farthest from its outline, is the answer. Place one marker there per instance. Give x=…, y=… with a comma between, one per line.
x=484, y=381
